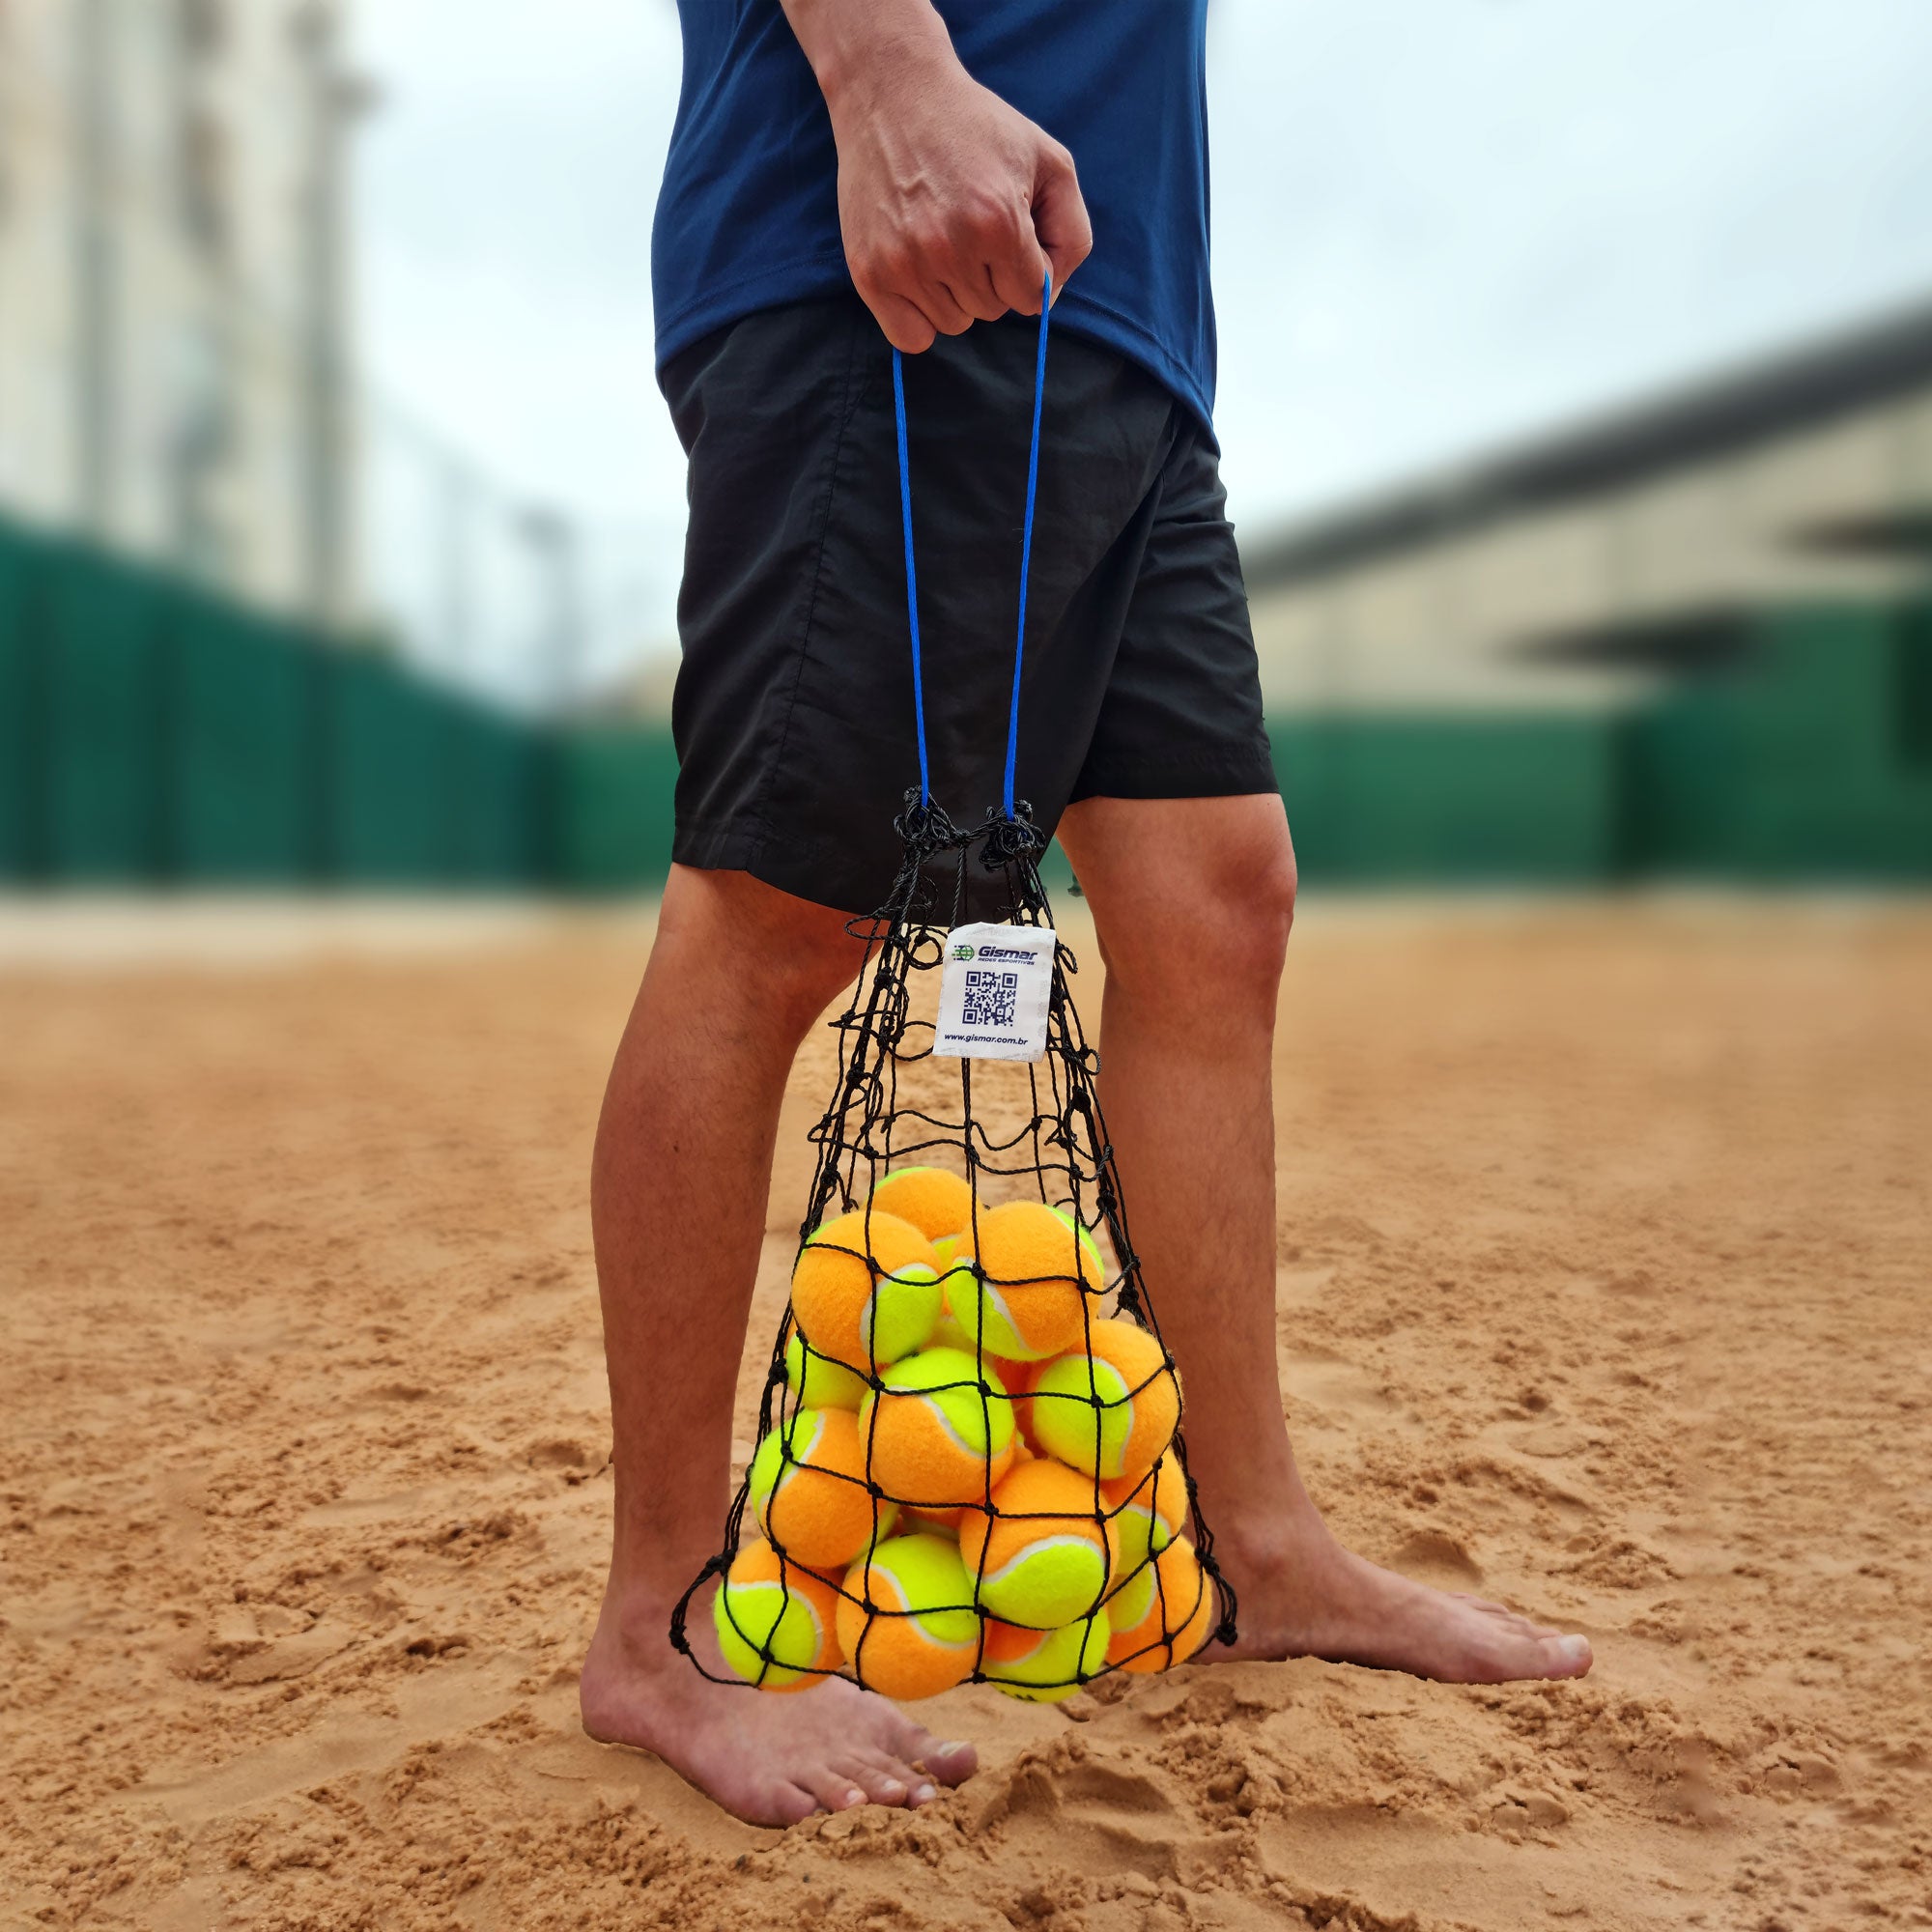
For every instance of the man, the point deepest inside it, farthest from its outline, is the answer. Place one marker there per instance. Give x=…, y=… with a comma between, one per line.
x=844, y=173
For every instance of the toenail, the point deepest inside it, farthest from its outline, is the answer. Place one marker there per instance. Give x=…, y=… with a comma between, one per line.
x=891, y=1787
x=855, y=1797
x=1574, y=1649
x=924, y=1794
x=955, y=1747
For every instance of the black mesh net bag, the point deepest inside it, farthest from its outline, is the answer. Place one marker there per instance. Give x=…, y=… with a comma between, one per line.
x=970, y=1463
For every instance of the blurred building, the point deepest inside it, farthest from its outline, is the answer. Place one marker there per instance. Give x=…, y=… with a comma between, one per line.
x=175, y=366
x=1692, y=639
x=1557, y=575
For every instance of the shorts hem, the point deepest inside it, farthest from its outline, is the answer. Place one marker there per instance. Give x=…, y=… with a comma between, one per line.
x=785, y=868
x=1231, y=776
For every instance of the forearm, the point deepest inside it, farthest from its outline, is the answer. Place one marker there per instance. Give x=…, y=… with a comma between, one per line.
x=859, y=49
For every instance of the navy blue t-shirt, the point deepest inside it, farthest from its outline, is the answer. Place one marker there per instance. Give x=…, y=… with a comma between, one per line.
x=748, y=214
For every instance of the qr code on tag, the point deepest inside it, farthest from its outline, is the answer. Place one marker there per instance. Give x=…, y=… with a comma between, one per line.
x=990, y=998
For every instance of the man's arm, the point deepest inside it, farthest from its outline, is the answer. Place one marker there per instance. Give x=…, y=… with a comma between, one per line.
x=952, y=205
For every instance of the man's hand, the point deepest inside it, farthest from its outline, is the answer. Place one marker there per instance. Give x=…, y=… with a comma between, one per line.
x=952, y=205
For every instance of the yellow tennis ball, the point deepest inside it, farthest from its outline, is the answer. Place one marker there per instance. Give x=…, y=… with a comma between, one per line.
x=809, y=1491
x=866, y=1289
x=1088, y=1246
x=1044, y=1667
x=936, y=1202
x=906, y=1619
x=1043, y=1557
x=1111, y=1410
x=816, y=1382
x=776, y=1622
x=940, y=1433
x=1129, y=1599
x=1023, y=1291
x=1147, y=1513
x=1016, y=1378
x=947, y=1333
x=1179, y=1617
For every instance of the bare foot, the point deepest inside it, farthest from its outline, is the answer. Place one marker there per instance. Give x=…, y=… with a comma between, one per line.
x=1303, y=1595
x=767, y=1759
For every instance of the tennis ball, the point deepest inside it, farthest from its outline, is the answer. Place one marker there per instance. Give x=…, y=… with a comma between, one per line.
x=947, y=1333
x=936, y=1202
x=1018, y=1379
x=776, y=1621
x=816, y=1382
x=1043, y=1557
x=1147, y=1513
x=1110, y=1411
x=939, y=1432
x=1178, y=1619
x=866, y=1289
x=809, y=1489
x=1129, y=1601
x=1022, y=1295
x=1089, y=1247
x=906, y=1619
x=1044, y=1667
x=932, y=1523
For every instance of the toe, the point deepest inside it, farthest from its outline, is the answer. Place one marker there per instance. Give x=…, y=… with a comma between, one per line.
x=950, y=1763
x=1569, y=1656
x=832, y=1790
x=786, y=1805
x=878, y=1776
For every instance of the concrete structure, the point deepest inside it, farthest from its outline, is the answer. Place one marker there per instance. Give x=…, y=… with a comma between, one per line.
x=1569, y=574
x=174, y=318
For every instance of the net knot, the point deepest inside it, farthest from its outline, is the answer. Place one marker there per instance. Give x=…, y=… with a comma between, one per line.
x=924, y=824
x=1010, y=836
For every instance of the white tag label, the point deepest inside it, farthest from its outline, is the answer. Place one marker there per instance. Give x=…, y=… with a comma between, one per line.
x=993, y=992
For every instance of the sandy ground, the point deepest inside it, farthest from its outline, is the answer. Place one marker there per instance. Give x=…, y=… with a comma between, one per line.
x=1604, y=1246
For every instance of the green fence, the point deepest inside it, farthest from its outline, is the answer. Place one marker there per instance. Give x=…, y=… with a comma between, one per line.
x=1402, y=799
x=151, y=734
x=1804, y=755
x=1809, y=756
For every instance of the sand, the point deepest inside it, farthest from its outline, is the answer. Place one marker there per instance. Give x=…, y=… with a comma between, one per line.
x=1603, y=1287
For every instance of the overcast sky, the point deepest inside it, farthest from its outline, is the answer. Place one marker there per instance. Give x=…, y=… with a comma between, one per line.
x=1439, y=225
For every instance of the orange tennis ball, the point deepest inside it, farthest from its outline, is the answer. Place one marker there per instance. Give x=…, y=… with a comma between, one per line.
x=1043, y=1557
x=906, y=1618
x=1044, y=1667
x=866, y=1289
x=809, y=1489
x=939, y=1431
x=776, y=1621
x=1025, y=1294
x=1017, y=1378
x=935, y=1200
x=1178, y=1620
x=1111, y=1410
x=932, y=1523
x=1147, y=1513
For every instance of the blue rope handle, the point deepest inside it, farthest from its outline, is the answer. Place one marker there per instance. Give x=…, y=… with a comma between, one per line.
x=1025, y=558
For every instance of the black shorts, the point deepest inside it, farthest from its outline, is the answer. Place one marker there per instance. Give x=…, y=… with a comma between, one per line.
x=793, y=713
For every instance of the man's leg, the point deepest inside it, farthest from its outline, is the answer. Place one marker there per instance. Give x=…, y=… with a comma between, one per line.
x=679, y=1182
x=1193, y=899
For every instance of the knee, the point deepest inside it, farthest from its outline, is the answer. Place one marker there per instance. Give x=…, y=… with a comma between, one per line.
x=1218, y=947
x=792, y=958
x=1249, y=910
